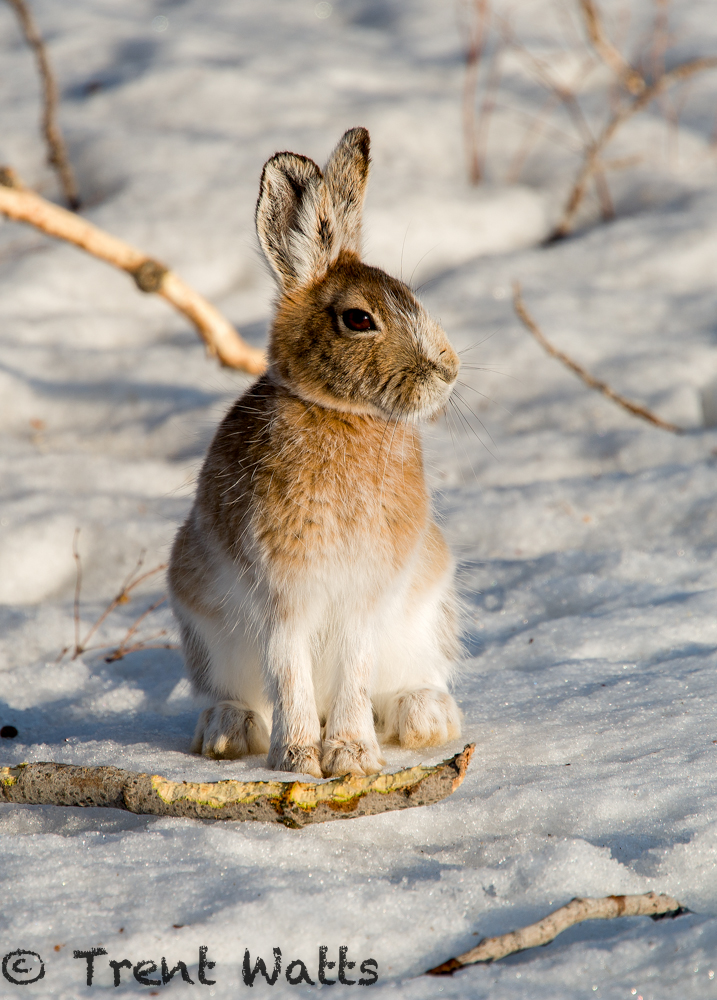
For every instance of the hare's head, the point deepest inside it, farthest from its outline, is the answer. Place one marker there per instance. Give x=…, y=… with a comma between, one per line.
x=345, y=335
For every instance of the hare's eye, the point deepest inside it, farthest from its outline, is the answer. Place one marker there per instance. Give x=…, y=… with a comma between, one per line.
x=357, y=319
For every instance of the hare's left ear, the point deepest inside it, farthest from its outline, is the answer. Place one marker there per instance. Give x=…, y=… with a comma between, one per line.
x=295, y=220
x=346, y=176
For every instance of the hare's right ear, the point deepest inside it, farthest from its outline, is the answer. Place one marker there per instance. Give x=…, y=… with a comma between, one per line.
x=295, y=220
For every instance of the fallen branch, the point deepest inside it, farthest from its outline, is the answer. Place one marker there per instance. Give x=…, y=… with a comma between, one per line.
x=22, y=205
x=293, y=803
x=636, y=409
x=490, y=949
x=56, y=152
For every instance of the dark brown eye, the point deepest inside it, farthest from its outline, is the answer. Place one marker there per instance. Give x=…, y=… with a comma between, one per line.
x=357, y=319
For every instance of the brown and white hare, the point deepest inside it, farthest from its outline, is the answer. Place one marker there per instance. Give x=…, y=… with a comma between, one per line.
x=313, y=590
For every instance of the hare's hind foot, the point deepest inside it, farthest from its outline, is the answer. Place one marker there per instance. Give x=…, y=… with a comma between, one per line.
x=230, y=730
x=423, y=718
x=350, y=757
x=297, y=759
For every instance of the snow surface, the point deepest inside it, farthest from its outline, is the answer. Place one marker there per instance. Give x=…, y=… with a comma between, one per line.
x=585, y=538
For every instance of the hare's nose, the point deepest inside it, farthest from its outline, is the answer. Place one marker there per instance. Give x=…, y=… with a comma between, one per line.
x=450, y=361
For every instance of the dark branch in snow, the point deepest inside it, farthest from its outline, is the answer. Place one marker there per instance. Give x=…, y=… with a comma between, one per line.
x=636, y=409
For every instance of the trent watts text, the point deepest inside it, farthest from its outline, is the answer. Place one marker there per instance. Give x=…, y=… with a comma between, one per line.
x=22, y=967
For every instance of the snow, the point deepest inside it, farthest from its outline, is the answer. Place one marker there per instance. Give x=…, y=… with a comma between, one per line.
x=585, y=538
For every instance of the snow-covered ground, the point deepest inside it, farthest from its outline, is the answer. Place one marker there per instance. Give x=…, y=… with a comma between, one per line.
x=585, y=538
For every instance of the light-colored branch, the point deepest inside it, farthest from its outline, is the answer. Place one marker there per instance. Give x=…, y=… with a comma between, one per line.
x=490, y=949
x=293, y=803
x=636, y=409
x=592, y=161
x=222, y=340
x=56, y=151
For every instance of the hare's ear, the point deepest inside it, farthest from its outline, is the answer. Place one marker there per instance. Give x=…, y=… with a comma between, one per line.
x=346, y=176
x=295, y=220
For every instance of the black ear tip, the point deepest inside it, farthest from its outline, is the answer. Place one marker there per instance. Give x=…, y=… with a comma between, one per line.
x=360, y=138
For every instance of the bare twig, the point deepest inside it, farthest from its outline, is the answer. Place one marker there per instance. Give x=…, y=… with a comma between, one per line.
x=142, y=644
x=538, y=126
x=478, y=29
x=220, y=337
x=124, y=647
x=122, y=597
x=56, y=150
x=609, y=54
x=292, y=803
x=78, y=591
x=567, y=96
x=486, y=110
x=592, y=159
x=636, y=409
x=648, y=904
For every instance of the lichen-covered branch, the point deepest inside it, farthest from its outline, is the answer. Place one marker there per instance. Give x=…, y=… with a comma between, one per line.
x=293, y=803
x=56, y=152
x=222, y=340
x=636, y=409
x=648, y=904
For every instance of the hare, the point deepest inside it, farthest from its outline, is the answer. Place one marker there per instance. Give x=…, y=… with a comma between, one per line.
x=313, y=590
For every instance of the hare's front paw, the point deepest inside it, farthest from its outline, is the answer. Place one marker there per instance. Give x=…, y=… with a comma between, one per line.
x=350, y=757
x=299, y=759
x=230, y=730
x=423, y=718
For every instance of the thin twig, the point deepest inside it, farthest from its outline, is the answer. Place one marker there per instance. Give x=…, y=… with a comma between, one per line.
x=123, y=596
x=648, y=904
x=609, y=54
x=476, y=44
x=592, y=161
x=487, y=108
x=538, y=127
x=568, y=98
x=142, y=644
x=56, y=151
x=220, y=337
x=123, y=648
x=78, y=591
x=636, y=409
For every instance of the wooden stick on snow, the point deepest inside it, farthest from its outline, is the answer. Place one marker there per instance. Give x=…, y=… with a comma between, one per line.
x=222, y=340
x=293, y=803
x=490, y=949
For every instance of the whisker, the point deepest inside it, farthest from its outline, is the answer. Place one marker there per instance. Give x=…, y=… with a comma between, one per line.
x=479, y=343
x=410, y=283
x=475, y=415
x=490, y=399
x=465, y=450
